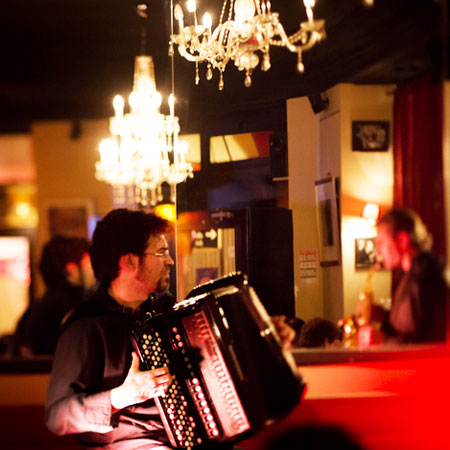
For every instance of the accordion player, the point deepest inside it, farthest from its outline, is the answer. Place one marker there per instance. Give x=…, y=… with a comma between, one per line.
x=230, y=376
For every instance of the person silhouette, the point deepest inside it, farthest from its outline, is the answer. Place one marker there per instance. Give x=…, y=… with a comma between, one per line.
x=66, y=269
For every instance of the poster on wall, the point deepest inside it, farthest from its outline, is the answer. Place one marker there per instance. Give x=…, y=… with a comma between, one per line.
x=370, y=136
x=308, y=264
x=327, y=215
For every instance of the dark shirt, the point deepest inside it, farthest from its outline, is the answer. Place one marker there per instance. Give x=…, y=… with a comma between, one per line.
x=38, y=328
x=93, y=356
x=418, y=311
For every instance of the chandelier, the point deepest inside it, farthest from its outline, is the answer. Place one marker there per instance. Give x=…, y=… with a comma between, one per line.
x=144, y=150
x=238, y=37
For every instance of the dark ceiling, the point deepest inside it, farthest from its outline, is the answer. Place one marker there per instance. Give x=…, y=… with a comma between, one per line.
x=67, y=58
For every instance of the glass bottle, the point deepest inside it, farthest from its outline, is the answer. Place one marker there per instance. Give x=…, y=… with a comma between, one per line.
x=365, y=302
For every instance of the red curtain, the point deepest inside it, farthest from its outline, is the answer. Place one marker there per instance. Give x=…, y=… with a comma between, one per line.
x=418, y=174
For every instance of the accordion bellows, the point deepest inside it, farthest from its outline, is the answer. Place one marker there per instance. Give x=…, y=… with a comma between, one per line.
x=231, y=377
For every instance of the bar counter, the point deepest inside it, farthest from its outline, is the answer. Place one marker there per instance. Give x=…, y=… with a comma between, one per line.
x=386, y=397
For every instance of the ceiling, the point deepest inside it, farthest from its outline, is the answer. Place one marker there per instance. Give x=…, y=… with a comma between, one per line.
x=65, y=59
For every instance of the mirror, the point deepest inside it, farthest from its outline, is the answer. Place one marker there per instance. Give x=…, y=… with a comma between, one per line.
x=322, y=137
x=393, y=42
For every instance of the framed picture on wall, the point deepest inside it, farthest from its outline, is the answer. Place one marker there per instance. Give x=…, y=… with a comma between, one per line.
x=370, y=136
x=69, y=217
x=327, y=215
x=364, y=253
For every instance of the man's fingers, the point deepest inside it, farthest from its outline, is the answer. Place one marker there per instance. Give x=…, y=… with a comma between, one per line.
x=164, y=379
x=152, y=378
x=160, y=371
x=153, y=390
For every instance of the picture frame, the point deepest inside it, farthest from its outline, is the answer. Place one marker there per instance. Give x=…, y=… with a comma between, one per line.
x=327, y=216
x=365, y=255
x=69, y=217
x=370, y=135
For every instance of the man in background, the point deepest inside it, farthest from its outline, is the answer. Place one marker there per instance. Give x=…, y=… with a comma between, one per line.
x=419, y=290
x=66, y=269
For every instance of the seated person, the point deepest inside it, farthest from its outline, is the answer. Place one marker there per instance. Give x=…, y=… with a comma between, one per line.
x=318, y=332
x=419, y=289
x=66, y=269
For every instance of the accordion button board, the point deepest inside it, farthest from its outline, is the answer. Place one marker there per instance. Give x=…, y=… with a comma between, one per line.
x=180, y=420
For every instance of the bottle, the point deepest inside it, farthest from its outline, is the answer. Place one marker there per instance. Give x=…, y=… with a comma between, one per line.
x=369, y=319
x=365, y=302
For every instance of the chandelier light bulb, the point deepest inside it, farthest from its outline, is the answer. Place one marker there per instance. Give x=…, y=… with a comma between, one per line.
x=108, y=151
x=156, y=100
x=178, y=12
x=171, y=102
x=244, y=10
x=118, y=104
x=183, y=147
x=191, y=6
x=133, y=100
x=207, y=21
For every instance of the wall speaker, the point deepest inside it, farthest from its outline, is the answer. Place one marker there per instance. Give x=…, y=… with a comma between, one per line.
x=319, y=102
x=278, y=155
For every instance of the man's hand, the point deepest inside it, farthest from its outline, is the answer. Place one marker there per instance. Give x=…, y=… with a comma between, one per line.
x=140, y=385
x=286, y=332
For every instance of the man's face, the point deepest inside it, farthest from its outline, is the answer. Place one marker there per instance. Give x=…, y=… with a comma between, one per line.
x=154, y=270
x=87, y=273
x=387, y=246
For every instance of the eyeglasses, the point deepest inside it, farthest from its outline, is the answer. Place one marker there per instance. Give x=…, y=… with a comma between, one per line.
x=162, y=254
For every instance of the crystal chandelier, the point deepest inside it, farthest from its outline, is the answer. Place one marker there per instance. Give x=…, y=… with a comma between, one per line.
x=144, y=150
x=253, y=28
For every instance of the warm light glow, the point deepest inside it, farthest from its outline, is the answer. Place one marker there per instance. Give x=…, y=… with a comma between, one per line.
x=23, y=209
x=371, y=212
x=356, y=227
x=166, y=211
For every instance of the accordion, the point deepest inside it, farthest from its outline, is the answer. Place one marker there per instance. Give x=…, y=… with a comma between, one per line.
x=230, y=375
